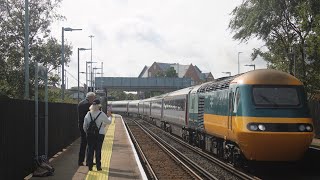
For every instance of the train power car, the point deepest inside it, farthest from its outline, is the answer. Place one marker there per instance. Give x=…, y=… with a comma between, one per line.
x=261, y=115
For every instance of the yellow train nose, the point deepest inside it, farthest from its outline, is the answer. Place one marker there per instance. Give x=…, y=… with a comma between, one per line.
x=274, y=146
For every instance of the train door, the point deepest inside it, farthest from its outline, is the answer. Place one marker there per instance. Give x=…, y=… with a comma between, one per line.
x=150, y=103
x=186, y=110
x=162, y=107
x=193, y=109
x=230, y=109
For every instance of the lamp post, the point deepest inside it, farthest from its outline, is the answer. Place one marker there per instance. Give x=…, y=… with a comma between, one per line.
x=252, y=65
x=94, y=76
x=62, y=57
x=88, y=62
x=229, y=73
x=79, y=49
x=239, y=62
x=91, y=36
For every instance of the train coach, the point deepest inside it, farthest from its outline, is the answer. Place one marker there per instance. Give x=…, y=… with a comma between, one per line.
x=260, y=115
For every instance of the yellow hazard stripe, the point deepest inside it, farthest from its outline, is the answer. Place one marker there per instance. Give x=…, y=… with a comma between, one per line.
x=105, y=155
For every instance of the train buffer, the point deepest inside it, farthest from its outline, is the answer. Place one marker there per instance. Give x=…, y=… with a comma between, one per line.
x=119, y=159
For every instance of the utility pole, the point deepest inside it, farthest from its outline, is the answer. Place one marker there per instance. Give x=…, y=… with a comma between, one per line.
x=26, y=50
x=101, y=74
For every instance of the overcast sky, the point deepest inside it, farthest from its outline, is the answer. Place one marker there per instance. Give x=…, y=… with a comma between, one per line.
x=131, y=34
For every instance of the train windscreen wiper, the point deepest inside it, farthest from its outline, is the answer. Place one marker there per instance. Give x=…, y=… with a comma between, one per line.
x=269, y=101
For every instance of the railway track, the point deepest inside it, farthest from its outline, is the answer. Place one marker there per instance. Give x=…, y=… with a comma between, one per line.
x=206, y=166
x=159, y=162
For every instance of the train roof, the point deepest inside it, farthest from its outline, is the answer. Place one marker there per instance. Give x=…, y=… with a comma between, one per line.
x=134, y=101
x=180, y=92
x=217, y=84
x=266, y=76
x=118, y=102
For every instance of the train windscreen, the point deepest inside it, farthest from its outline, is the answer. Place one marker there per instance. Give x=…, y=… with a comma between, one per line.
x=275, y=96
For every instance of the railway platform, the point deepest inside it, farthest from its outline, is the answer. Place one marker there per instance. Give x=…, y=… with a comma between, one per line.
x=119, y=158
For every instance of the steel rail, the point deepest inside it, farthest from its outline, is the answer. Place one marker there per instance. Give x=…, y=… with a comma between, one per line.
x=151, y=174
x=222, y=164
x=185, y=159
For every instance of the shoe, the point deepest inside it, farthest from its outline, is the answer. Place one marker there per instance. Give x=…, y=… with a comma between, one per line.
x=90, y=168
x=92, y=164
x=99, y=168
x=80, y=164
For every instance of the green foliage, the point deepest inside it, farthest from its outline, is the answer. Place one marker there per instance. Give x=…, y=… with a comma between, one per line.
x=290, y=30
x=131, y=96
x=121, y=95
x=171, y=72
x=42, y=48
x=160, y=74
x=54, y=95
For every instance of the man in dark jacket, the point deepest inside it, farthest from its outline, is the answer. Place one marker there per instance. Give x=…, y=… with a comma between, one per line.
x=83, y=108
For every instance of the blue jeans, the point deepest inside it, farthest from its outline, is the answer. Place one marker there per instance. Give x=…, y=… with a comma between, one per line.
x=94, y=146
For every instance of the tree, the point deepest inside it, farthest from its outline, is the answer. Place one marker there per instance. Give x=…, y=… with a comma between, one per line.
x=43, y=48
x=160, y=74
x=171, y=72
x=289, y=29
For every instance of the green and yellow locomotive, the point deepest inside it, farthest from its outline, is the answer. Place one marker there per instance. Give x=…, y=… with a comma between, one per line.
x=261, y=115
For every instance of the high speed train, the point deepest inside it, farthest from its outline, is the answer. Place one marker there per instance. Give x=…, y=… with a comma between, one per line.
x=261, y=115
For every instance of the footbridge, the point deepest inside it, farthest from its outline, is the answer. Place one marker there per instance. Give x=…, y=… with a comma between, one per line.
x=142, y=84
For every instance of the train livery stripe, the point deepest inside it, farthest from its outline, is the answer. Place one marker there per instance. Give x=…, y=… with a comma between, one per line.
x=219, y=124
x=106, y=153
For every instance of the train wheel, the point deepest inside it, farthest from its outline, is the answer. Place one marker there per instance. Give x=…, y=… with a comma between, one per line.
x=238, y=159
x=220, y=149
x=169, y=129
x=162, y=125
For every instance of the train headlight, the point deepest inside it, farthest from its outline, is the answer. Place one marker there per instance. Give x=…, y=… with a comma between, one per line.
x=309, y=128
x=302, y=127
x=262, y=127
x=253, y=127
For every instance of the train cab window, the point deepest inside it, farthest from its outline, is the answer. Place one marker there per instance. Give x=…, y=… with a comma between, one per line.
x=236, y=100
x=230, y=102
x=275, y=96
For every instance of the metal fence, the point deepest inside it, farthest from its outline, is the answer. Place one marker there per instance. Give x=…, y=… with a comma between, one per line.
x=18, y=134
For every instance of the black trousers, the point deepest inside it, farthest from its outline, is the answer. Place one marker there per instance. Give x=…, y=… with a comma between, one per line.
x=83, y=145
x=94, y=147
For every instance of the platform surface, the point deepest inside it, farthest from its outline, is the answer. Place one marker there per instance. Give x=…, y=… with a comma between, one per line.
x=119, y=159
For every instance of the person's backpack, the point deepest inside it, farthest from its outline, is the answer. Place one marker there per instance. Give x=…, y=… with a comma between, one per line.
x=93, y=129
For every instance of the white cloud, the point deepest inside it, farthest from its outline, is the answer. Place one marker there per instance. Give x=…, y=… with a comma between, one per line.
x=132, y=34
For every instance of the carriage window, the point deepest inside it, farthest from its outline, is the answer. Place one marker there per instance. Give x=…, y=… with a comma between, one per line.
x=275, y=96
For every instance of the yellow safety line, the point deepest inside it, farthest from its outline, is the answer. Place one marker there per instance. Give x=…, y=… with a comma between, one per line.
x=106, y=152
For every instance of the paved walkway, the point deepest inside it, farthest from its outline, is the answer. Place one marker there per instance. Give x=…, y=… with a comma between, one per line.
x=119, y=160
